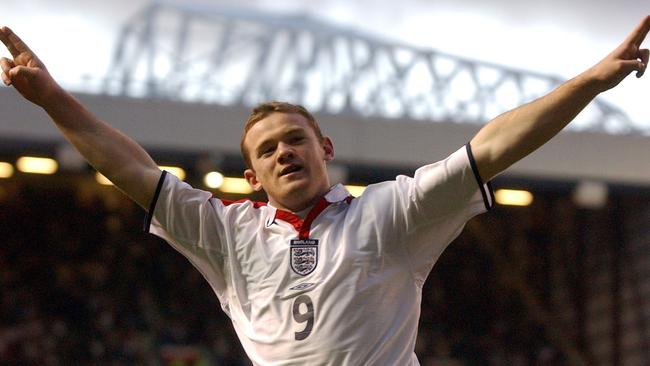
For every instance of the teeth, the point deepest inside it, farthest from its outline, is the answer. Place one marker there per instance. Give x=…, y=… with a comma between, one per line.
x=290, y=169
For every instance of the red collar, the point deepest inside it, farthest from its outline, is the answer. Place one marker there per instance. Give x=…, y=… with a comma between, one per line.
x=336, y=194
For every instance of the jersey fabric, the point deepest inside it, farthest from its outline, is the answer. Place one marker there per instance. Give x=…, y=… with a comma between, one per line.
x=341, y=287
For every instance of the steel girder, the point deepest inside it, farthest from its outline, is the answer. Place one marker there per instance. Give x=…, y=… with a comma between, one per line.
x=224, y=55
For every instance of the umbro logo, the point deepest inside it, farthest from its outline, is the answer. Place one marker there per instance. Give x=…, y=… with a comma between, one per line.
x=302, y=286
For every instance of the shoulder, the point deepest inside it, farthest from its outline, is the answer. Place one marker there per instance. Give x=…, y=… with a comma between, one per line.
x=243, y=203
x=244, y=210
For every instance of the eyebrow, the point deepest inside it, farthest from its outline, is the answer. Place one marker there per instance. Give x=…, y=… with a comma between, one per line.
x=290, y=131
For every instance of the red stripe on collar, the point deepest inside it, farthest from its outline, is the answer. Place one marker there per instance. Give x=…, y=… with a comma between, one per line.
x=303, y=227
x=322, y=204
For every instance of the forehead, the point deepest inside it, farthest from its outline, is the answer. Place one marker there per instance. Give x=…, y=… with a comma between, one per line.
x=274, y=126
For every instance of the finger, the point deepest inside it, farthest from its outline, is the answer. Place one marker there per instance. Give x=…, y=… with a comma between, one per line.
x=4, y=37
x=644, y=55
x=626, y=67
x=5, y=79
x=638, y=34
x=13, y=43
x=6, y=64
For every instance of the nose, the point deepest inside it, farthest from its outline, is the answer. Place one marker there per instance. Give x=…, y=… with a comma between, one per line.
x=285, y=152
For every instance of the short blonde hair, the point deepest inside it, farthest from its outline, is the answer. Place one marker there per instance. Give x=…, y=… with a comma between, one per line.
x=261, y=111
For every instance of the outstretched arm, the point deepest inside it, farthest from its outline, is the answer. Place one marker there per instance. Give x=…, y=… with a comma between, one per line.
x=515, y=134
x=111, y=152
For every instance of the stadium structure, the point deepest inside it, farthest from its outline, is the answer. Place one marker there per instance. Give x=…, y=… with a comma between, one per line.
x=563, y=279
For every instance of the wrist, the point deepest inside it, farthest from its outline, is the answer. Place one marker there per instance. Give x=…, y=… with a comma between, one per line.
x=589, y=83
x=54, y=98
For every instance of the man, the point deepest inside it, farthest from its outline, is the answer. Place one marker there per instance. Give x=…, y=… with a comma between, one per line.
x=316, y=277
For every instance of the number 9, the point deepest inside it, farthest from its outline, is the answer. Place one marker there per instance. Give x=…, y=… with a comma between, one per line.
x=303, y=317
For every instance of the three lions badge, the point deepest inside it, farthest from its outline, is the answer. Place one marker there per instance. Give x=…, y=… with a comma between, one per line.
x=304, y=255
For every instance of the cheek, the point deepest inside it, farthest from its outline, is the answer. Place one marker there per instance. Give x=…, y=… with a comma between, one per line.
x=264, y=170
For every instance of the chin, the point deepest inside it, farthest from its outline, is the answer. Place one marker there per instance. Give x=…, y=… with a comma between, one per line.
x=298, y=188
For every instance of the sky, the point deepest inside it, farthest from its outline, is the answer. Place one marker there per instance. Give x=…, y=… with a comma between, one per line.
x=75, y=38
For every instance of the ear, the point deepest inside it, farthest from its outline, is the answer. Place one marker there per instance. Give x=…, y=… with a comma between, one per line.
x=328, y=148
x=251, y=178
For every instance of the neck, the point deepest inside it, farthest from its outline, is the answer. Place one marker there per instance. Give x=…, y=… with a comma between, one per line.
x=297, y=206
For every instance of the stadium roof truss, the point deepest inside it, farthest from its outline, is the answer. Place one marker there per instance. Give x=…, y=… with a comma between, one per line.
x=229, y=56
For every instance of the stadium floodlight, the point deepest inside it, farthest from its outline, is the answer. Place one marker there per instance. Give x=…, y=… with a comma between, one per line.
x=101, y=179
x=355, y=190
x=513, y=197
x=6, y=170
x=213, y=179
x=235, y=185
x=36, y=165
x=175, y=170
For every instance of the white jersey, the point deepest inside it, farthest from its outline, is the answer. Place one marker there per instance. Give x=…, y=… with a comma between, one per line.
x=341, y=287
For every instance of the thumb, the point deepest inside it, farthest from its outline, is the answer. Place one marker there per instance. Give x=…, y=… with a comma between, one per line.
x=644, y=55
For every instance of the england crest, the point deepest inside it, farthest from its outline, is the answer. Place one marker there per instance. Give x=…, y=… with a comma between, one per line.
x=304, y=255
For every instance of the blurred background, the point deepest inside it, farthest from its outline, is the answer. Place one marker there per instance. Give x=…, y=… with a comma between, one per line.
x=557, y=274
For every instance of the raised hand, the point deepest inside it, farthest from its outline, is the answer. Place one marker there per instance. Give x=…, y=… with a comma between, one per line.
x=627, y=57
x=25, y=72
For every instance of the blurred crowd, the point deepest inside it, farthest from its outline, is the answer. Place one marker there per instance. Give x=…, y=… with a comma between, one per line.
x=81, y=284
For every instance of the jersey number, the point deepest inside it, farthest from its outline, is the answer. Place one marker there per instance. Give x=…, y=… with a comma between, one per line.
x=304, y=316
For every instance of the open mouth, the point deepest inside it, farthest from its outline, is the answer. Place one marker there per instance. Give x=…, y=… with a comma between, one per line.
x=290, y=169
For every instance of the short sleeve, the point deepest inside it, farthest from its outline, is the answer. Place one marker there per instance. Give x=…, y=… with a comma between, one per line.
x=192, y=223
x=437, y=203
